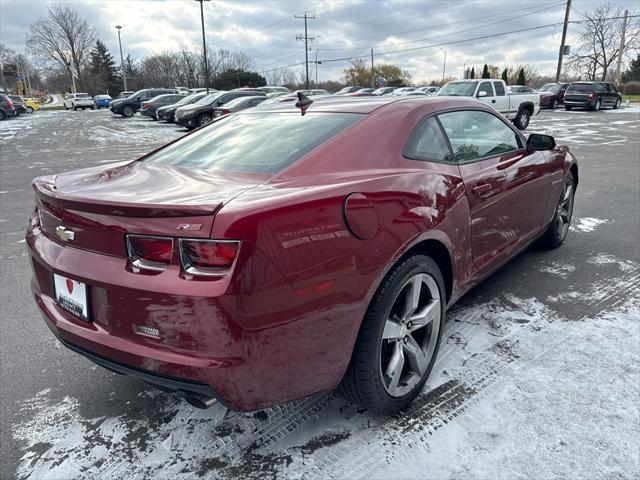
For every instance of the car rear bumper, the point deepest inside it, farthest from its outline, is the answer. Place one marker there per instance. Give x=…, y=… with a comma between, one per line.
x=579, y=103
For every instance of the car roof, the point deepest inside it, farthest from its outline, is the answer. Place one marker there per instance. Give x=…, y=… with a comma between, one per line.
x=367, y=105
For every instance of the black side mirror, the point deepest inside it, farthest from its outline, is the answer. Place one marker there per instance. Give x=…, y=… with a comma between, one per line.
x=537, y=141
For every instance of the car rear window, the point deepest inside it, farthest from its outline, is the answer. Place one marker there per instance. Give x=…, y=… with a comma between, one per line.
x=582, y=87
x=260, y=143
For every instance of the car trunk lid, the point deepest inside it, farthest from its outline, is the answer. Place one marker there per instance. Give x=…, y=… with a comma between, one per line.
x=93, y=209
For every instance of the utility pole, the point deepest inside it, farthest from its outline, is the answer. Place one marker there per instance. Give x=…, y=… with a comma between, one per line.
x=619, y=62
x=564, y=36
x=444, y=64
x=204, y=47
x=316, y=62
x=373, y=75
x=306, y=46
x=122, y=69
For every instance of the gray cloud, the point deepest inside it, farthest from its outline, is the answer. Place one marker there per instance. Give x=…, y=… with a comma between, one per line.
x=266, y=30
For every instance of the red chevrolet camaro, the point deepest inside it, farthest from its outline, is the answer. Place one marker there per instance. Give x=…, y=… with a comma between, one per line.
x=278, y=253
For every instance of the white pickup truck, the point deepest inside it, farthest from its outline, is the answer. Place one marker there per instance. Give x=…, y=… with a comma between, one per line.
x=516, y=107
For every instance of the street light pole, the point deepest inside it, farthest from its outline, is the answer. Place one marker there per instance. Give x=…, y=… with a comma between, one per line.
x=122, y=69
x=316, y=68
x=444, y=64
x=204, y=46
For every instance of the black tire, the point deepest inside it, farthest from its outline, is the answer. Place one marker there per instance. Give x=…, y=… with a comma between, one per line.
x=204, y=119
x=93, y=108
x=29, y=109
x=2, y=115
x=616, y=106
x=522, y=119
x=596, y=107
x=75, y=109
x=364, y=382
x=556, y=232
x=127, y=111
x=567, y=108
x=554, y=104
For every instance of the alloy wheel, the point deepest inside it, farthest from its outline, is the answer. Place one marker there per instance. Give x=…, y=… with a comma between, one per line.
x=204, y=120
x=565, y=209
x=410, y=334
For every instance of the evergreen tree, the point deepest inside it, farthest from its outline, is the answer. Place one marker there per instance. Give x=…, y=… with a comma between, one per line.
x=473, y=72
x=485, y=72
x=505, y=76
x=102, y=69
x=521, y=79
x=633, y=73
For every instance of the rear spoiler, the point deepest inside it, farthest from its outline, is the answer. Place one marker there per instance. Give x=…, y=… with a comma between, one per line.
x=47, y=194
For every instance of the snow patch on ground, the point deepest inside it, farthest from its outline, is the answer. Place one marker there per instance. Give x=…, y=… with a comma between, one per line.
x=558, y=268
x=606, y=259
x=587, y=224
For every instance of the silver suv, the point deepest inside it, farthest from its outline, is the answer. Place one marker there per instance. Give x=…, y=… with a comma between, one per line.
x=78, y=100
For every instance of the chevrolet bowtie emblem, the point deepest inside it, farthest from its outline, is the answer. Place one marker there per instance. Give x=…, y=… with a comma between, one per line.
x=64, y=233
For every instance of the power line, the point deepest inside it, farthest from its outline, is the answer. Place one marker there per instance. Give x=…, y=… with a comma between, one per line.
x=453, y=33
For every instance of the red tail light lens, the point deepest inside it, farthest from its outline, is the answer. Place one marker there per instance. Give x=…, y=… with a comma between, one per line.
x=221, y=112
x=208, y=257
x=10, y=104
x=145, y=105
x=149, y=253
x=592, y=95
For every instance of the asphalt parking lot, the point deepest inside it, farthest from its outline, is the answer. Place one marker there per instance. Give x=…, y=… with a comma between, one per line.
x=538, y=375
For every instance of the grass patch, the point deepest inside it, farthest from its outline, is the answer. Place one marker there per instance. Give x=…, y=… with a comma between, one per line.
x=631, y=98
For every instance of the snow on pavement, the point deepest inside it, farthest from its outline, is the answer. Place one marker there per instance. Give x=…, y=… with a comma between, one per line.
x=519, y=390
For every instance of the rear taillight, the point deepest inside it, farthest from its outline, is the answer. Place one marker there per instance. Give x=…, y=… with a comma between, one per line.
x=208, y=257
x=148, y=252
x=145, y=105
x=10, y=104
x=592, y=95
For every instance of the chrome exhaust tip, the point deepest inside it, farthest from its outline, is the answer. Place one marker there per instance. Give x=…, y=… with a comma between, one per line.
x=200, y=401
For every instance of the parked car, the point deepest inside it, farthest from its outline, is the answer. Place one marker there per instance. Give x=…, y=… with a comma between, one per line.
x=514, y=89
x=272, y=255
x=18, y=104
x=125, y=94
x=552, y=94
x=428, y=90
x=275, y=89
x=167, y=112
x=311, y=93
x=592, y=95
x=403, y=91
x=200, y=113
x=345, y=90
x=149, y=107
x=519, y=108
x=238, y=105
x=127, y=107
x=7, y=108
x=102, y=101
x=74, y=101
x=363, y=92
x=33, y=105
x=384, y=90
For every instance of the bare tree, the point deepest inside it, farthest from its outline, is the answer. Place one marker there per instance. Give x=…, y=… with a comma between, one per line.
x=62, y=37
x=598, y=45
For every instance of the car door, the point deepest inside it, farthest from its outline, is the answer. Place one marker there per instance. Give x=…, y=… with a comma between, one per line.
x=485, y=94
x=507, y=186
x=501, y=100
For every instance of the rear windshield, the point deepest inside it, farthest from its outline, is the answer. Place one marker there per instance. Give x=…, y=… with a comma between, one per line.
x=260, y=143
x=458, y=89
x=582, y=87
x=83, y=95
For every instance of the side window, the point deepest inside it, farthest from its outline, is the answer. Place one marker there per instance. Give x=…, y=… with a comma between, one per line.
x=486, y=87
x=499, y=89
x=428, y=143
x=476, y=134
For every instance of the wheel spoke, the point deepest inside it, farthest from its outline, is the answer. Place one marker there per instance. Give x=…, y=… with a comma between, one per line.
x=567, y=194
x=413, y=296
x=415, y=356
x=392, y=330
x=425, y=316
x=394, y=368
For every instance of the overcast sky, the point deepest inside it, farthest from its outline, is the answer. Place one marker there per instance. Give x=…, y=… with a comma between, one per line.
x=266, y=30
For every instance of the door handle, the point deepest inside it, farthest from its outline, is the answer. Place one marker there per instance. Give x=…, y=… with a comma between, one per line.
x=482, y=190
